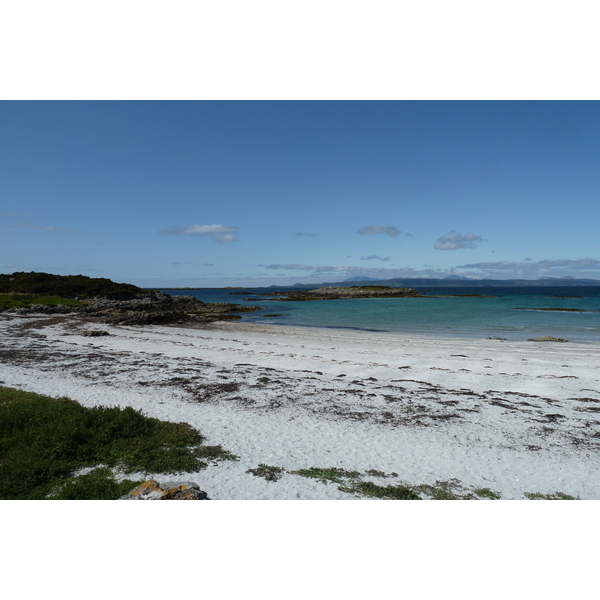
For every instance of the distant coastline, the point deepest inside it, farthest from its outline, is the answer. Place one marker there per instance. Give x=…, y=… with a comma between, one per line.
x=420, y=282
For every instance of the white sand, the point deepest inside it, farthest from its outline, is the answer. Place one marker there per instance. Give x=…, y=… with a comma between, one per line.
x=513, y=417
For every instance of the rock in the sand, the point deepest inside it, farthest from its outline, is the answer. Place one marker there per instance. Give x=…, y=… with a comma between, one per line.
x=547, y=338
x=152, y=490
x=95, y=333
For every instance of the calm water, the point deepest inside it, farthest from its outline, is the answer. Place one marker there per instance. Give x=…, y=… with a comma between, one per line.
x=509, y=312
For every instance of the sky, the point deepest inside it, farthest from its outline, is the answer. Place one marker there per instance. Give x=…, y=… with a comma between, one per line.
x=258, y=193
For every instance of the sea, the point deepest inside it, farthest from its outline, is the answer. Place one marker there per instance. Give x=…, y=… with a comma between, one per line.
x=512, y=312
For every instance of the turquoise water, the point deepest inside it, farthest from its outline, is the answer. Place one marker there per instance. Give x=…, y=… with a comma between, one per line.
x=512, y=313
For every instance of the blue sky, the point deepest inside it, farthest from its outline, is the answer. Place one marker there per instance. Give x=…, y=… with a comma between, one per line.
x=211, y=193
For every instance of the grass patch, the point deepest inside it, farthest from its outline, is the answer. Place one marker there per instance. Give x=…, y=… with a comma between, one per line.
x=44, y=440
x=99, y=484
x=487, y=493
x=269, y=472
x=332, y=475
x=555, y=496
x=213, y=453
x=26, y=300
x=387, y=492
x=350, y=482
x=444, y=490
x=376, y=473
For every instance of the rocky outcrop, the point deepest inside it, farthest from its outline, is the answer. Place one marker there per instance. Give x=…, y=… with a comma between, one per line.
x=152, y=490
x=547, y=338
x=40, y=309
x=152, y=308
x=339, y=293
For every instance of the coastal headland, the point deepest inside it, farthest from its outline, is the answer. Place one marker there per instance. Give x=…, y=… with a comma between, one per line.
x=104, y=301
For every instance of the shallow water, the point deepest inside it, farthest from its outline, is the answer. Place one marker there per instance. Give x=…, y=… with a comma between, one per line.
x=508, y=312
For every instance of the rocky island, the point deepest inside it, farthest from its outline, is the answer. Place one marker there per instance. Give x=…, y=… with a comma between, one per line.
x=340, y=293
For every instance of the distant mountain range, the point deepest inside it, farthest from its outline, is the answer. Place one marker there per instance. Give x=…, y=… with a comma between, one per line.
x=457, y=281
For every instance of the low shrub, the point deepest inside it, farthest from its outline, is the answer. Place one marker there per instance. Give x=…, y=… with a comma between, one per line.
x=44, y=440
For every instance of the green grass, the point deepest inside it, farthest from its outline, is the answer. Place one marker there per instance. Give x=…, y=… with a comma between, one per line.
x=332, y=474
x=387, y=492
x=98, y=484
x=26, y=300
x=487, y=493
x=555, y=496
x=350, y=482
x=44, y=440
x=444, y=490
x=269, y=472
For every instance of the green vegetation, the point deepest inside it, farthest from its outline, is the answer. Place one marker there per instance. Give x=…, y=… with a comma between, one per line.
x=66, y=286
x=26, y=300
x=388, y=492
x=487, y=493
x=444, y=490
x=351, y=483
x=377, y=473
x=269, y=472
x=332, y=475
x=555, y=496
x=98, y=484
x=43, y=441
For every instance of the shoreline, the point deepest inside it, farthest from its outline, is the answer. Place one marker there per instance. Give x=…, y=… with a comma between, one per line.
x=511, y=416
x=429, y=335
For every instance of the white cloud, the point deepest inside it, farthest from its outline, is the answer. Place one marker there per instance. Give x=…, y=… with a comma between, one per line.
x=583, y=268
x=500, y=265
x=454, y=241
x=570, y=262
x=374, y=257
x=372, y=230
x=218, y=233
x=314, y=269
x=355, y=271
x=565, y=267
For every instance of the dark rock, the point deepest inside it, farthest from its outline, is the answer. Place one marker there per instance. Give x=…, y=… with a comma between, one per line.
x=95, y=333
x=151, y=308
x=152, y=490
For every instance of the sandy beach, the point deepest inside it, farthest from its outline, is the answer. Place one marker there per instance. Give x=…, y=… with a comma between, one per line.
x=513, y=417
